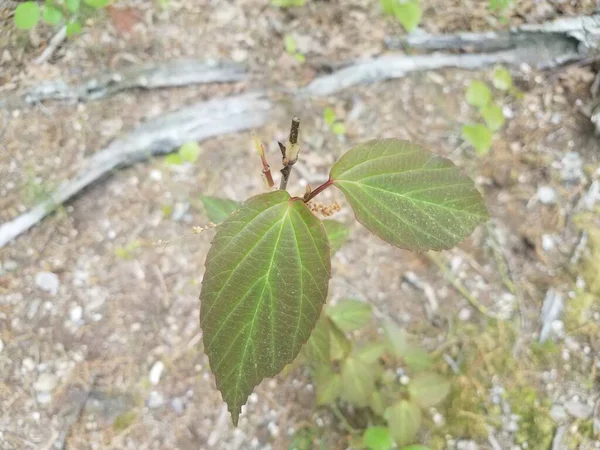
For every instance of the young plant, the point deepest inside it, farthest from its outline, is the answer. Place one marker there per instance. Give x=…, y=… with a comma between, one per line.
x=335, y=125
x=478, y=94
x=408, y=13
x=291, y=47
x=268, y=268
x=54, y=12
x=287, y=3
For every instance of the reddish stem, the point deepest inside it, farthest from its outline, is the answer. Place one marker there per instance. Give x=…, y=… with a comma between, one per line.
x=318, y=190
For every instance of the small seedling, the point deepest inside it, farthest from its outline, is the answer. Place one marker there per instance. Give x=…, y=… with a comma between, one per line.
x=287, y=3
x=187, y=153
x=408, y=13
x=335, y=125
x=268, y=268
x=291, y=47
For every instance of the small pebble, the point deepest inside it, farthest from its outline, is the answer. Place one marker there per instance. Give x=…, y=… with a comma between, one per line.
x=464, y=314
x=76, y=314
x=155, y=400
x=48, y=282
x=578, y=410
x=546, y=195
x=547, y=242
x=156, y=372
x=178, y=406
x=46, y=382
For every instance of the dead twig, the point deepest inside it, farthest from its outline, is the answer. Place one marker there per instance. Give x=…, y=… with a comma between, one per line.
x=54, y=43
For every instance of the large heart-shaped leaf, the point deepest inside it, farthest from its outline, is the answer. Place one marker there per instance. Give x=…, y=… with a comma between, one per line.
x=358, y=381
x=266, y=281
x=408, y=196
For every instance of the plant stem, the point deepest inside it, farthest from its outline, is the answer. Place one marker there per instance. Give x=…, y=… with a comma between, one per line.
x=287, y=161
x=317, y=191
x=340, y=416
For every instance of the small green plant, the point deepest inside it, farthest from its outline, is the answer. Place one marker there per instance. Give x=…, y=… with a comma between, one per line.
x=54, y=12
x=187, y=153
x=499, y=6
x=287, y=3
x=478, y=94
x=268, y=268
x=335, y=125
x=380, y=386
x=408, y=13
x=291, y=47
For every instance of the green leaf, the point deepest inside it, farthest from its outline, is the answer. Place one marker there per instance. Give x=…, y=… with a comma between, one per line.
x=52, y=15
x=329, y=116
x=189, y=152
x=328, y=385
x=378, y=438
x=417, y=359
x=479, y=136
x=502, y=79
x=388, y=6
x=396, y=338
x=350, y=314
x=300, y=57
x=408, y=196
x=97, y=3
x=337, y=233
x=370, y=352
x=376, y=403
x=317, y=349
x=173, y=159
x=27, y=15
x=358, y=382
x=404, y=419
x=415, y=447
x=340, y=346
x=218, y=209
x=290, y=44
x=338, y=128
x=478, y=94
x=73, y=29
x=493, y=116
x=265, y=284
x=72, y=5
x=428, y=389
x=408, y=14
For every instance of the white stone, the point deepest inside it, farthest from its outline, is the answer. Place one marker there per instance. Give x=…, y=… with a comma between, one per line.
x=28, y=364
x=46, y=382
x=47, y=281
x=464, y=314
x=156, y=175
x=178, y=406
x=43, y=398
x=155, y=399
x=546, y=195
x=578, y=410
x=547, y=242
x=76, y=314
x=1, y=345
x=156, y=372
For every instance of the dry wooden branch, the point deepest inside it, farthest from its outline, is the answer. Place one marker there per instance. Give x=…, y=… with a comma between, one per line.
x=156, y=137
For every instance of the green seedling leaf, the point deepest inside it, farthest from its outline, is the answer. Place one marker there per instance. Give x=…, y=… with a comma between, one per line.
x=27, y=15
x=415, y=447
x=317, y=348
x=396, y=338
x=350, y=314
x=338, y=128
x=218, y=209
x=329, y=116
x=300, y=57
x=337, y=233
x=502, y=79
x=478, y=94
x=328, y=385
x=290, y=44
x=428, y=389
x=388, y=6
x=340, y=346
x=493, y=116
x=404, y=419
x=173, y=159
x=73, y=29
x=417, y=359
x=358, y=382
x=378, y=438
x=408, y=14
x=265, y=284
x=407, y=196
x=97, y=3
x=189, y=152
x=52, y=15
x=371, y=352
x=376, y=403
x=479, y=136
x=72, y=5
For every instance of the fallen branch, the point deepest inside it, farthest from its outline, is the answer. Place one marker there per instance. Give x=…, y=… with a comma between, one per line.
x=54, y=43
x=168, y=74
x=542, y=46
x=159, y=136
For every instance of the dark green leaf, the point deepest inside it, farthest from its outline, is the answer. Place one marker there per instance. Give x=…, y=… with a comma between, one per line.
x=478, y=94
x=52, y=15
x=328, y=385
x=27, y=15
x=72, y=5
x=358, y=382
x=404, y=419
x=493, y=116
x=479, y=136
x=73, y=28
x=378, y=438
x=502, y=79
x=428, y=389
x=218, y=209
x=350, y=314
x=408, y=14
x=265, y=284
x=407, y=196
x=317, y=349
x=337, y=233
